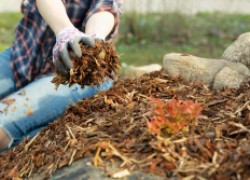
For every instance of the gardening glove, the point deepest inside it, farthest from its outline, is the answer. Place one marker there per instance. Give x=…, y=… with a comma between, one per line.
x=69, y=40
x=98, y=38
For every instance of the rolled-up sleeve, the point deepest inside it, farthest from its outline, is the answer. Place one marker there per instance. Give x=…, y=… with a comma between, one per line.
x=112, y=6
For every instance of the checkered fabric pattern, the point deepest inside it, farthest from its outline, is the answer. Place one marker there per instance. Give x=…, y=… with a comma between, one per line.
x=31, y=52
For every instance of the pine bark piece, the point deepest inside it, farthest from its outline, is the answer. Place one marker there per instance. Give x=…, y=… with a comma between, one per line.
x=95, y=65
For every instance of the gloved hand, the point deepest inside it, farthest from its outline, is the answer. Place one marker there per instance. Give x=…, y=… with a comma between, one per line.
x=66, y=40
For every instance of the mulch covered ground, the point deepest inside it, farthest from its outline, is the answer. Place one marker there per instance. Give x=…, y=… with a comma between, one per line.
x=112, y=128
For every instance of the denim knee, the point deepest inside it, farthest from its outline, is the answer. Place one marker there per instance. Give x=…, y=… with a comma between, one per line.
x=46, y=104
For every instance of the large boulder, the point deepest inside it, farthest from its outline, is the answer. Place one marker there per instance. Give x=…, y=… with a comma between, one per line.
x=239, y=51
x=217, y=73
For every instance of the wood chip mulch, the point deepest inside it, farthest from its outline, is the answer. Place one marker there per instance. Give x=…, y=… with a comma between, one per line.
x=111, y=127
x=93, y=67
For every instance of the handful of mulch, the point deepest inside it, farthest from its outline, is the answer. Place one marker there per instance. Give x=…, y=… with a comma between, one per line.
x=93, y=67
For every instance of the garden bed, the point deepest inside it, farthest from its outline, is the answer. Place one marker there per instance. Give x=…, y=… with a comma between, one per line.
x=112, y=128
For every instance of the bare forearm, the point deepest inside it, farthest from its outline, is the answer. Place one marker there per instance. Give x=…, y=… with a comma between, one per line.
x=100, y=24
x=54, y=13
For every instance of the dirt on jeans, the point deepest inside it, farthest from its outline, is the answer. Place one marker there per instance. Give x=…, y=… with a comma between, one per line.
x=111, y=127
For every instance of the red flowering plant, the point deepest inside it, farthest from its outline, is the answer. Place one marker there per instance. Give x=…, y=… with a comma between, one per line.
x=173, y=116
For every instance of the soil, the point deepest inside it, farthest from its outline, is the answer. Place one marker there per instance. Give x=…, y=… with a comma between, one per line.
x=111, y=127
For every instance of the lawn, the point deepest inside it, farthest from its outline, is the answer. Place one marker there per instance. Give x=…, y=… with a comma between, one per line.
x=145, y=39
x=8, y=22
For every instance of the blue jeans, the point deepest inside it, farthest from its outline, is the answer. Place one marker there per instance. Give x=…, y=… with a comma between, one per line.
x=36, y=104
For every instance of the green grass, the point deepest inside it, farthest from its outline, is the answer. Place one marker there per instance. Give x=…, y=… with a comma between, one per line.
x=145, y=39
x=8, y=22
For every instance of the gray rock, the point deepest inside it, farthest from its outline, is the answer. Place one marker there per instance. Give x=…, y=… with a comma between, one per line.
x=217, y=73
x=192, y=68
x=80, y=170
x=239, y=51
x=132, y=72
x=228, y=77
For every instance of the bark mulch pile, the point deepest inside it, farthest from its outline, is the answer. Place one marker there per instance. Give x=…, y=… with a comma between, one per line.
x=111, y=127
x=93, y=67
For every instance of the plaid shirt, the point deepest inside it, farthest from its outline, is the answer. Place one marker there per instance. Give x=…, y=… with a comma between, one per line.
x=34, y=40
